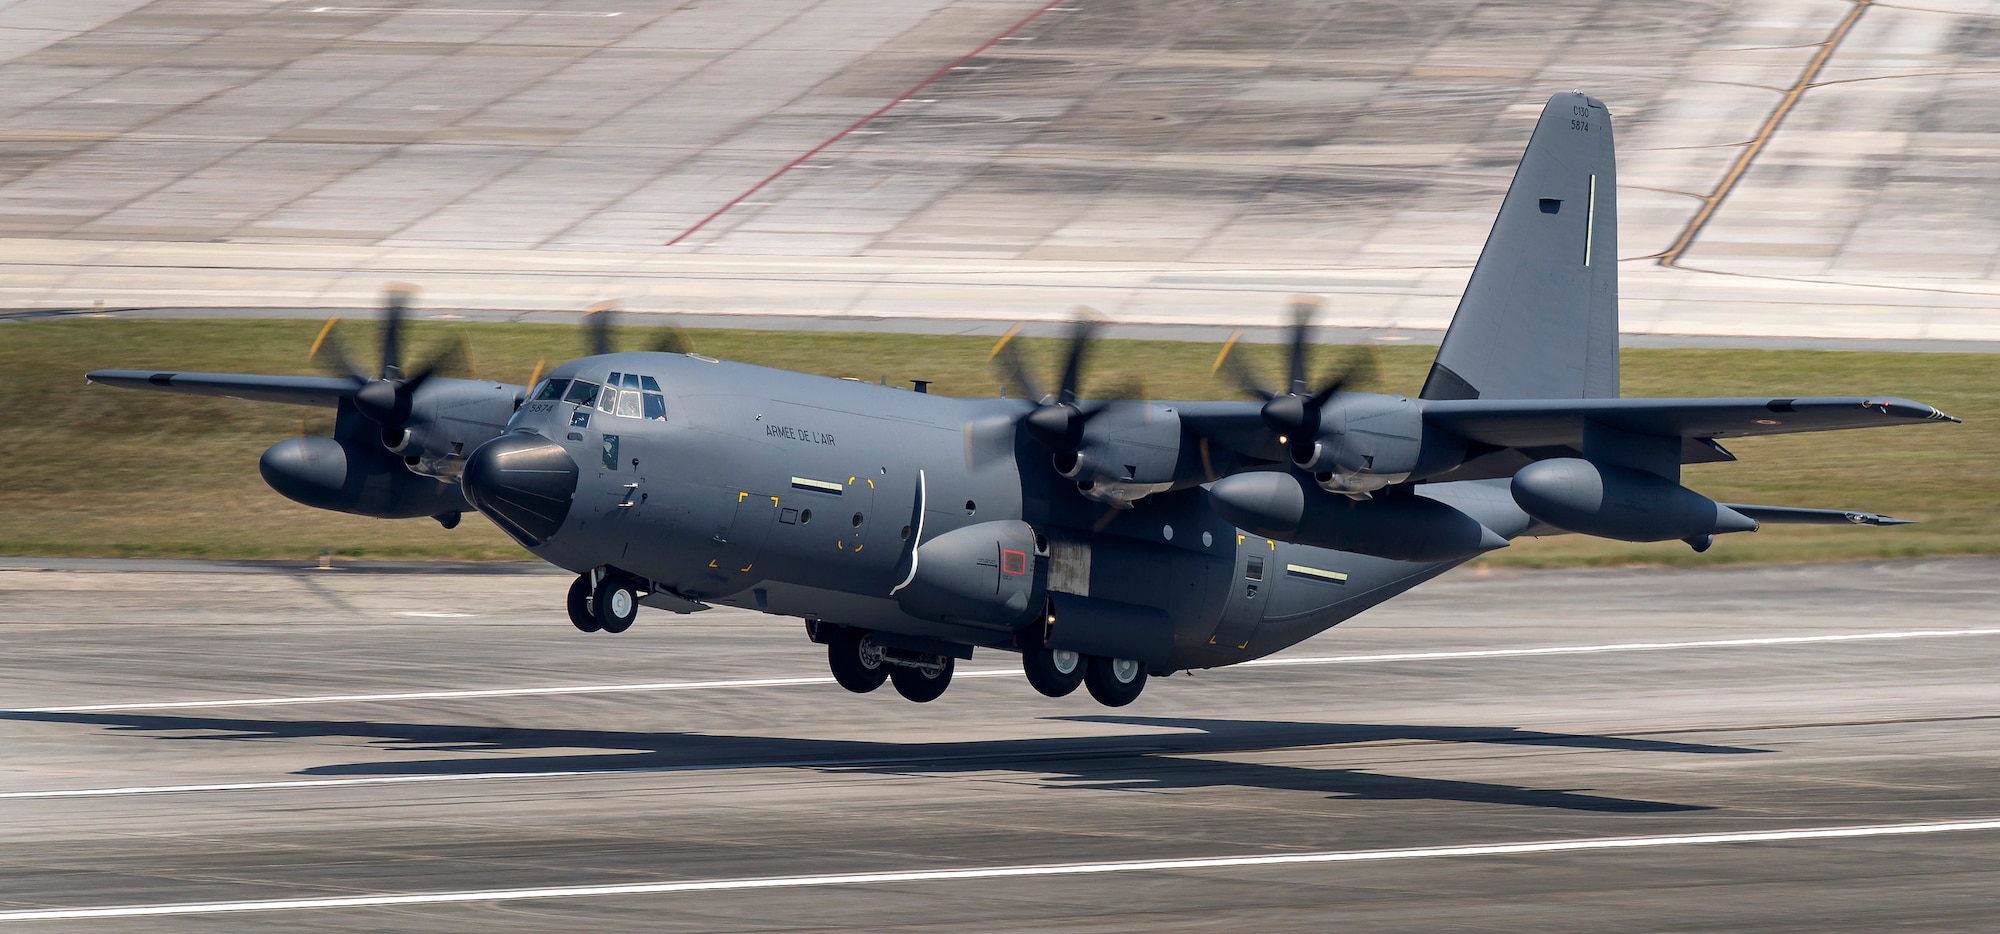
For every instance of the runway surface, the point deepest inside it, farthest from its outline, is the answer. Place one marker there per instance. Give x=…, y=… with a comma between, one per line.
x=218, y=748
x=1808, y=169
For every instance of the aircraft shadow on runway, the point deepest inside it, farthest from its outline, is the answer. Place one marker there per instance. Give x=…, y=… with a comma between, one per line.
x=1148, y=761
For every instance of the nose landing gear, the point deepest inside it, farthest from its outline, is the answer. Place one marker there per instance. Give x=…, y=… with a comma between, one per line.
x=607, y=604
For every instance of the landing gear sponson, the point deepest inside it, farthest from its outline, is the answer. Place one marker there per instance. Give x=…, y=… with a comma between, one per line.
x=921, y=668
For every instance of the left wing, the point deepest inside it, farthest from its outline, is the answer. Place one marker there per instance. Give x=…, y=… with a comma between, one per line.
x=325, y=391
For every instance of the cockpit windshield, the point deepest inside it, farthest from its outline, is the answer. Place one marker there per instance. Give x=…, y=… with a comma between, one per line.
x=640, y=397
x=552, y=389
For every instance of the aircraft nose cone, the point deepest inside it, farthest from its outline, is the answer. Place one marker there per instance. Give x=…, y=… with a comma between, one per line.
x=524, y=483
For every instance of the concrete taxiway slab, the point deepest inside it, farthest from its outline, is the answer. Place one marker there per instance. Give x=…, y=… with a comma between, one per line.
x=1807, y=168
x=383, y=748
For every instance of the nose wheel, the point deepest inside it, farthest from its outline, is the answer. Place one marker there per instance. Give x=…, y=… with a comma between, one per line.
x=609, y=606
x=580, y=614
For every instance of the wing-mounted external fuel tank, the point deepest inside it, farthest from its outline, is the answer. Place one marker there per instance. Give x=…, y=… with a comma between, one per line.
x=1630, y=505
x=1399, y=526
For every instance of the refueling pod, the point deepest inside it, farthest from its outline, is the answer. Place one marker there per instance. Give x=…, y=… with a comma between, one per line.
x=1629, y=505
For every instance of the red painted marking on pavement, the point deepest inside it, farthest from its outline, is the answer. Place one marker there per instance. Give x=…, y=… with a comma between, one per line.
x=864, y=121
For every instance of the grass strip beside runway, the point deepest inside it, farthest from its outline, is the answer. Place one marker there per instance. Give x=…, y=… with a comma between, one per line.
x=96, y=471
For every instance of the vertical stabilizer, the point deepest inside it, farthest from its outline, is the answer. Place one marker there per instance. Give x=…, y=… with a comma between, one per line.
x=1539, y=320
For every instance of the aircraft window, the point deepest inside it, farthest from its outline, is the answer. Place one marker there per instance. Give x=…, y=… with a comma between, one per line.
x=552, y=389
x=656, y=406
x=632, y=381
x=628, y=403
x=611, y=382
x=649, y=384
x=607, y=401
x=581, y=393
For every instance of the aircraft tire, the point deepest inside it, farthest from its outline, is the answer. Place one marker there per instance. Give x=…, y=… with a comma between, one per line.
x=852, y=669
x=580, y=615
x=1046, y=672
x=916, y=684
x=1115, y=682
x=616, y=603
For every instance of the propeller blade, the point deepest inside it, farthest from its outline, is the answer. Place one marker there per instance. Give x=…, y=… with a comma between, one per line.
x=536, y=377
x=395, y=300
x=1080, y=336
x=1304, y=309
x=328, y=352
x=597, y=321
x=1008, y=357
x=671, y=339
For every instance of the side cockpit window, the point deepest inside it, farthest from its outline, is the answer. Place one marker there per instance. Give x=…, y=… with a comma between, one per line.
x=552, y=390
x=581, y=393
x=656, y=403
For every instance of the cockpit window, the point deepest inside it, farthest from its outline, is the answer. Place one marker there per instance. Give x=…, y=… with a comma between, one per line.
x=628, y=403
x=649, y=384
x=581, y=393
x=656, y=406
x=632, y=381
x=551, y=389
x=607, y=401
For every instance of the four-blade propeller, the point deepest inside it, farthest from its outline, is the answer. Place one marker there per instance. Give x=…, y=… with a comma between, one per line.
x=388, y=398
x=1294, y=414
x=1058, y=419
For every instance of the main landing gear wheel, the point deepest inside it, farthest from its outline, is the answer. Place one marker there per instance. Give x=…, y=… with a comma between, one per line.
x=1115, y=682
x=856, y=660
x=1054, y=672
x=579, y=605
x=616, y=603
x=924, y=684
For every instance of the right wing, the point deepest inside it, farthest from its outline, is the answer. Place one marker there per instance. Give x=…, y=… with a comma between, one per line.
x=325, y=391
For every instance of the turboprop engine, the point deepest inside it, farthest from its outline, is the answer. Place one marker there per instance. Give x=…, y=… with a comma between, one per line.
x=1366, y=443
x=1629, y=505
x=1399, y=527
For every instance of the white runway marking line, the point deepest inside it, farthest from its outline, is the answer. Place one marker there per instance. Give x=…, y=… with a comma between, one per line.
x=999, y=872
x=406, y=12
x=1006, y=672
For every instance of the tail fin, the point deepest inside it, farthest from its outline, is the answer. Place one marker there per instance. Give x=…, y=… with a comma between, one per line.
x=1539, y=320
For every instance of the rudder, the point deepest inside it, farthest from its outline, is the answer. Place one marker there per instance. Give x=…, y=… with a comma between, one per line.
x=1539, y=318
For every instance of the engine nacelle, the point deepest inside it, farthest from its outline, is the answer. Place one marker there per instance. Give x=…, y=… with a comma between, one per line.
x=982, y=574
x=1402, y=528
x=325, y=474
x=450, y=418
x=1128, y=452
x=1367, y=442
x=1629, y=505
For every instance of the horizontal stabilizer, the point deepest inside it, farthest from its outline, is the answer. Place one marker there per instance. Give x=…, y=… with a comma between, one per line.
x=326, y=391
x=1532, y=423
x=1791, y=515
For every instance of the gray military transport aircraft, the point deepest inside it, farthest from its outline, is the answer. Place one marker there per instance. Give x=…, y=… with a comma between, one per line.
x=1102, y=540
